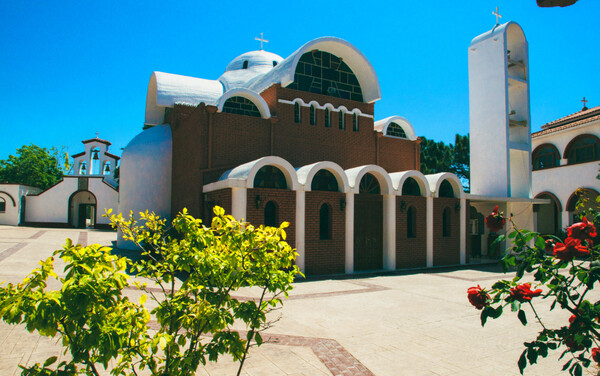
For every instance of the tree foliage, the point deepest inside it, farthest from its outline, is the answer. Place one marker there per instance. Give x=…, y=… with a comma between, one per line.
x=32, y=165
x=438, y=157
x=189, y=272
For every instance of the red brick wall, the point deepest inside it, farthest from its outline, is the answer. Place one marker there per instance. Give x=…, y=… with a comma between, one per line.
x=221, y=198
x=411, y=252
x=446, y=250
x=286, y=209
x=324, y=256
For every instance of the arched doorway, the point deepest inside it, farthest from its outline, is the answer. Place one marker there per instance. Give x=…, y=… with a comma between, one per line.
x=584, y=196
x=82, y=209
x=368, y=225
x=548, y=215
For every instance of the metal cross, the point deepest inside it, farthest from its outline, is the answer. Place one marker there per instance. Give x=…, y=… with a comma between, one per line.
x=97, y=134
x=584, y=102
x=261, y=39
x=498, y=16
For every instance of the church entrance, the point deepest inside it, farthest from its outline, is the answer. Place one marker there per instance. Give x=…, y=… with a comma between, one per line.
x=82, y=209
x=368, y=225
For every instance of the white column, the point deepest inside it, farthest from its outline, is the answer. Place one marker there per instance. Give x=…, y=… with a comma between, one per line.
x=239, y=199
x=566, y=220
x=389, y=232
x=300, y=228
x=463, y=231
x=349, y=211
x=429, y=231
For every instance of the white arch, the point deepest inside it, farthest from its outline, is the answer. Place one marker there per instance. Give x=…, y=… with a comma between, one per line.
x=357, y=173
x=284, y=72
x=247, y=171
x=435, y=180
x=252, y=96
x=382, y=125
x=398, y=179
x=307, y=173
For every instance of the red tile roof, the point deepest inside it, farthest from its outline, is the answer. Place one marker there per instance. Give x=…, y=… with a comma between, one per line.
x=96, y=139
x=570, y=121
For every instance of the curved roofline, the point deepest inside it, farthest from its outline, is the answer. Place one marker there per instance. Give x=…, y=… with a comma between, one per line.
x=357, y=173
x=398, y=179
x=436, y=180
x=247, y=171
x=252, y=96
x=284, y=72
x=497, y=30
x=307, y=173
x=382, y=125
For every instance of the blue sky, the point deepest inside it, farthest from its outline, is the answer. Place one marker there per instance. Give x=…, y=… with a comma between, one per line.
x=73, y=68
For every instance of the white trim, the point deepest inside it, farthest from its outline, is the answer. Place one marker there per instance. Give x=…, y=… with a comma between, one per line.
x=357, y=173
x=307, y=173
x=435, y=180
x=247, y=172
x=322, y=107
x=398, y=179
x=382, y=125
x=252, y=96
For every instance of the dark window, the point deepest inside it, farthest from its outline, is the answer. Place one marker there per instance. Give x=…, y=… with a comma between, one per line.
x=583, y=149
x=446, y=189
x=341, y=121
x=355, y=122
x=446, y=222
x=545, y=157
x=324, y=181
x=327, y=118
x=82, y=184
x=411, y=222
x=241, y=106
x=369, y=184
x=271, y=214
x=274, y=63
x=2, y=205
x=270, y=177
x=297, y=113
x=323, y=73
x=313, y=114
x=411, y=188
x=245, y=66
x=325, y=222
x=393, y=129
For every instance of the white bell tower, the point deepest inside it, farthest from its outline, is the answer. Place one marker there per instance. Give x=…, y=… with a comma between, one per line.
x=500, y=119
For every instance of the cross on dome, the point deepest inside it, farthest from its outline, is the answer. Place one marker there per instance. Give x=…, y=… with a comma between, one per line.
x=584, y=104
x=97, y=133
x=261, y=39
x=498, y=16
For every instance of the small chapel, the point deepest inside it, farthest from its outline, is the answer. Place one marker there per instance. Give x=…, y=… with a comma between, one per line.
x=297, y=139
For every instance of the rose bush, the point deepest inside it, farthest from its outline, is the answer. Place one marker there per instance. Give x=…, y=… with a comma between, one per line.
x=565, y=271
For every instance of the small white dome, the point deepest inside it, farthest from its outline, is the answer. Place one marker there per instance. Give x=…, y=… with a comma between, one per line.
x=256, y=59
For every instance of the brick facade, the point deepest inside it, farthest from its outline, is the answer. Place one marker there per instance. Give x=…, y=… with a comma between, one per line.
x=411, y=252
x=221, y=198
x=446, y=249
x=324, y=256
x=284, y=199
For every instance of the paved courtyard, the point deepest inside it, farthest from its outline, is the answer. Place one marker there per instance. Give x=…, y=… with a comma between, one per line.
x=411, y=324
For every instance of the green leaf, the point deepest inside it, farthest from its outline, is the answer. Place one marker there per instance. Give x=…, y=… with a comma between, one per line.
x=515, y=306
x=522, y=361
x=258, y=339
x=50, y=361
x=522, y=317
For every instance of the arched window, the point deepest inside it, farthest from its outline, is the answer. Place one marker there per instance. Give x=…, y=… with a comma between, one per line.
x=446, y=189
x=270, y=177
x=274, y=63
x=324, y=181
x=327, y=118
x=325, y=222
x=241, y=106
x=271, y=214
x=545, y=156
x=369, y=185
x=411, y=222
x=584, y=148
x=342, y=119
x=411, y=188
x=106, y=169
x=355, y=122
x=2, y=205
x=297, y=113
x=395, y=130
x=95, y=162
x=245, y=65
x=446, y=222
x=83, y=168
x=313, y=114
x=323, y=73
x=585, y=198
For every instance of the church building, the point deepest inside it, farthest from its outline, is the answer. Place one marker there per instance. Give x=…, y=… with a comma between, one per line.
x=298, y=140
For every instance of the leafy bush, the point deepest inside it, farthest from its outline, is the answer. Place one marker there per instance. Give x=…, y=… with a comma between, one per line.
x=190, y=272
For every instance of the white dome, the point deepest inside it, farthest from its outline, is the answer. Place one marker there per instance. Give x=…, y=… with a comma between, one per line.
x=256, y=59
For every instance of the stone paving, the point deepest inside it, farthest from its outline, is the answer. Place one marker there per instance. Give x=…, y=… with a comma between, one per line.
x=410, y=324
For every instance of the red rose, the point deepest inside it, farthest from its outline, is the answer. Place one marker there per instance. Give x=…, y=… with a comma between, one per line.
x=596, y=354
x=478, y=297
x=549, y=249
x=582, y=230
x=523, y=293
x=495, y=221
x=572, y=344
x=571, y=248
